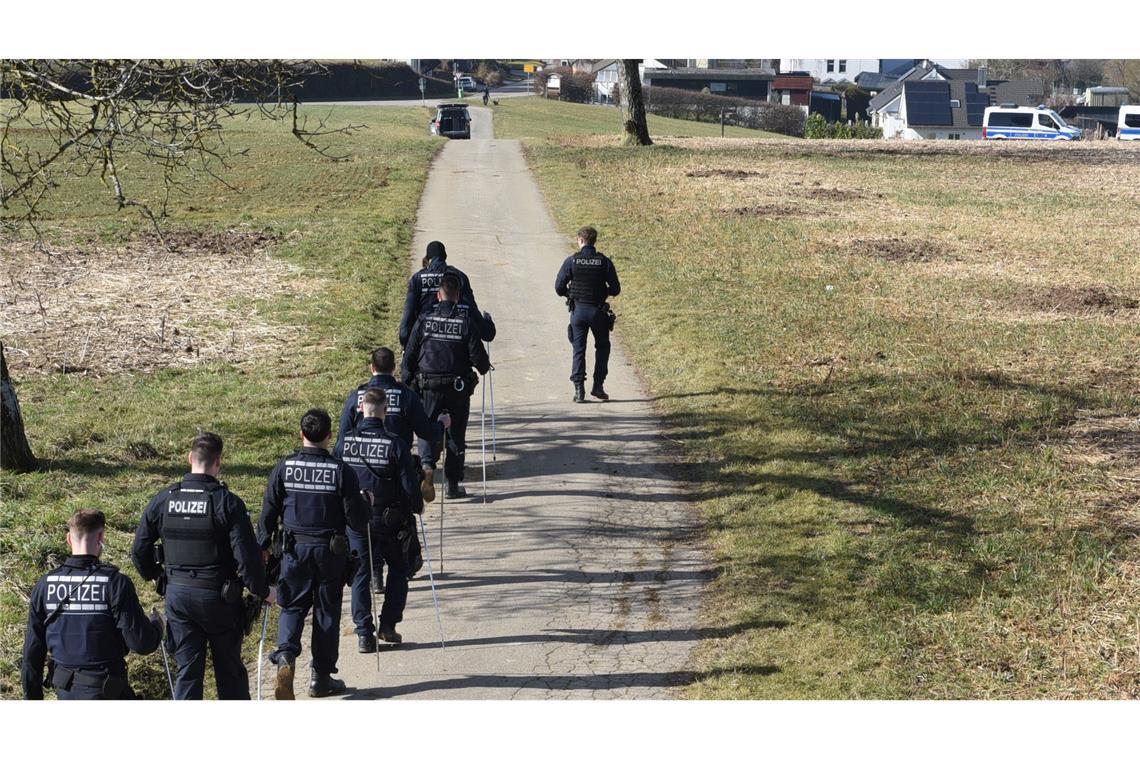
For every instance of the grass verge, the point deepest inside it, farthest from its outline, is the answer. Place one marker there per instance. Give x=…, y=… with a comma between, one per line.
x=905, y=378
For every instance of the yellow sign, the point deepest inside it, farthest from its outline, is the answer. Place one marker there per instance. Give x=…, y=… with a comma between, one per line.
x=528, y=68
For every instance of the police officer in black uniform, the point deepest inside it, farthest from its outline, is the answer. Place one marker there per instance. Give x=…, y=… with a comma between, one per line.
x=586, y=278
x=87, y=614
x=424, y=284
x=443, y=346
x=208, y=552
x=315, y=497
x=384, y=466
x=405, y=413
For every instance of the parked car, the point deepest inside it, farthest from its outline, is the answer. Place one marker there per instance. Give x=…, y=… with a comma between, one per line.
x=1010, y=122
x=1128, y=123
x=466, y=83
x=451, y=120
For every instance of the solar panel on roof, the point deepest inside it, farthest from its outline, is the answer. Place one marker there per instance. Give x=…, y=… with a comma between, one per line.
x=976, y=103
x=928, y=103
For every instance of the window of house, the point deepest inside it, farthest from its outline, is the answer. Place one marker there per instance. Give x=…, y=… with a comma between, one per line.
x=830, y=65
x=955, y=136
x=955, y=103
x=842, y=66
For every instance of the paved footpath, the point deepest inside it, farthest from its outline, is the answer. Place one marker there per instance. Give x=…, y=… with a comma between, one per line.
x=581, y=577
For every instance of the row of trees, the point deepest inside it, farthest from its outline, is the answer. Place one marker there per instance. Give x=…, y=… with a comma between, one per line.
x=1065, y=74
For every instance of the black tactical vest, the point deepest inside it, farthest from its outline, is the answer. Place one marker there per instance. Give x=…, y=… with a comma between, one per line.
x=189, y=533
x=83, y=634
x=372, y=454
x=443, y=350
x=588, y=282
x=313, y=501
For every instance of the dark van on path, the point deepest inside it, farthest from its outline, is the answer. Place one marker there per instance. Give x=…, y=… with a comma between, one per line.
x=452, y=120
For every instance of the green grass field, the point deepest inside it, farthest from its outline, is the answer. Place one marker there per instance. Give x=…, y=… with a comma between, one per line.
x=904, y=381
x=538, y=117
x=344, y=232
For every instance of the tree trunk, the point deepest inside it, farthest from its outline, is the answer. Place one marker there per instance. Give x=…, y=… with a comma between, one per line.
x=15, y=453
x=632, y=106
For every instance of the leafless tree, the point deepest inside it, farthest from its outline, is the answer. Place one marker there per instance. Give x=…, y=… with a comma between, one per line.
x=70, y=118
x=634, y=126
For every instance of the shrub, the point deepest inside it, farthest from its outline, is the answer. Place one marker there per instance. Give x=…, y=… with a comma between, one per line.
x=817, y=128
x=577, y=88
x=740, y=112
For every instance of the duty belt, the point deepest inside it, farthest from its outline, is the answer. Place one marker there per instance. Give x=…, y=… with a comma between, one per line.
x=191, y=578
x=435, y=382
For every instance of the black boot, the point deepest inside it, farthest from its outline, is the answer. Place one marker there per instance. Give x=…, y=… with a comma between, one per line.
x=455, y=491
x=599, y=392
x=388, y=634
x=366, y=643
x=324, y=685
x=579, y=391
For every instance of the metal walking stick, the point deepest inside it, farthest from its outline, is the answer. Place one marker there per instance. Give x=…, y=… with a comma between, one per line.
x=491, y=382
x=261, y=648
x=483, y=435
x=374, y=584
x=441, y=491
x=166, y=664
x=431, y=578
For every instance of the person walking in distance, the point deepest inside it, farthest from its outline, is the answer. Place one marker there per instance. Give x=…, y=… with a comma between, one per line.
x=586, y=279
x=443, y=347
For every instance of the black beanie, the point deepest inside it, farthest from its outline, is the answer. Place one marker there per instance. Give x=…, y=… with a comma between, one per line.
x=435, y=250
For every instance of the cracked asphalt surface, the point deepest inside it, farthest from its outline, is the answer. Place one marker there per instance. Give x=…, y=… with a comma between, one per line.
x=581, y=576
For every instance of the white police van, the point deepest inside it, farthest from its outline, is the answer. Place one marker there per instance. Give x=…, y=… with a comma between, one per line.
x=1010, y=122
x=1128, y=123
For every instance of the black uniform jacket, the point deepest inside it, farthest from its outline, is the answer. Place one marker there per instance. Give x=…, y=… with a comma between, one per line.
x=100, y=621
x=235, y=537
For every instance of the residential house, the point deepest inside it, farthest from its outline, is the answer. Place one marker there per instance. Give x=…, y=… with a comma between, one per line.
x=931, y=101
x=754, y=84
x=606, y=76
x=825, y=70
x=791, y=88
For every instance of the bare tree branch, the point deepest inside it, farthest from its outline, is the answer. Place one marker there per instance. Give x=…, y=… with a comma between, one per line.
x=66, y=119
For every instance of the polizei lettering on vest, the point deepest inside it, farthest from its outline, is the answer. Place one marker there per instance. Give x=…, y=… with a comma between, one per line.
x=442, y=328
x=595, y=262
x=186, y=507
x=311, y=476
x=76, y=592
x=373, y=451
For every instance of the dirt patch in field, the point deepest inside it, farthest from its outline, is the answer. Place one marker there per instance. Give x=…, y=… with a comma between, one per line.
x=900, y=249
x=727, y=173
x=1089, y=299
x=138, y=306
x=832, y=194
x=766, y=211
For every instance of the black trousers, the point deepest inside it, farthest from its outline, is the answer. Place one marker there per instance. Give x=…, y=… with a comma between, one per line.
x=312, y=578
x=385, y=550
x=199, y=618
x=458, y=405
x=587, y=318
x=87, y=684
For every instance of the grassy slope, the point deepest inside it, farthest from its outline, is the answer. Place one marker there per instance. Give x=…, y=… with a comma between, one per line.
x=352, y=231
x=881, y=450
x=537, y=117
